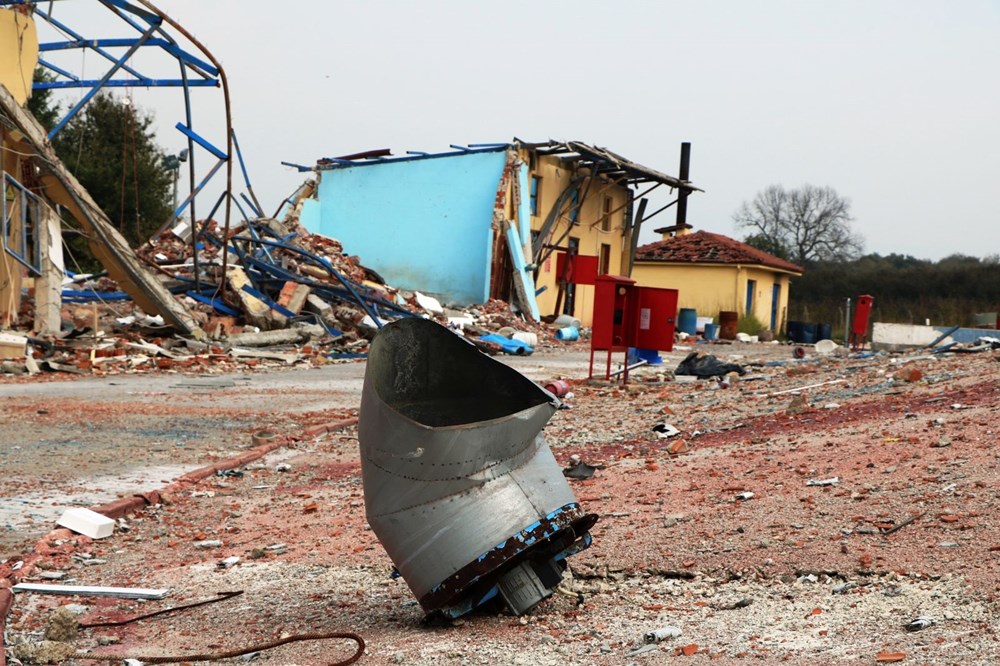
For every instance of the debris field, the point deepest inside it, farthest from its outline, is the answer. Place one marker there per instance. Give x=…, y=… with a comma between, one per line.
x=828, y=509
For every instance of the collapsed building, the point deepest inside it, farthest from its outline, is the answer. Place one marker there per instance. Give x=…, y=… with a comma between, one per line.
x=508, y=221
x=218, y=275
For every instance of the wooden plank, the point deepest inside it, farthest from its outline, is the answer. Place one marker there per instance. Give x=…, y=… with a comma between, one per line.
x=93, y=591
x=257, y=311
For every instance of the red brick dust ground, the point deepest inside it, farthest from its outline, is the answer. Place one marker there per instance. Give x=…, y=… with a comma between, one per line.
x=795, y=573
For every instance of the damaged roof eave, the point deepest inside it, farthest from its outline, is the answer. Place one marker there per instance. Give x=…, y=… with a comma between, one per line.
x=717, y=264
x=604, y=161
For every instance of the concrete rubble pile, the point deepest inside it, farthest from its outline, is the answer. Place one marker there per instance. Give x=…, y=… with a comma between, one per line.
x=280, y=296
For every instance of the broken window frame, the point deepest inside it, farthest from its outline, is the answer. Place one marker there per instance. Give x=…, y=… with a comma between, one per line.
x=606, y=219
x=604, y=259
x=536, y=189
x=751, y=296
x=29, y=252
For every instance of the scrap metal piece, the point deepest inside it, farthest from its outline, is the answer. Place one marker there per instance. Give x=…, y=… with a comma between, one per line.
x=460, y=487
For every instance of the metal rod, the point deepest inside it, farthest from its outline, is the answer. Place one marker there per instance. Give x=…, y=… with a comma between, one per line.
x=246, y=178
x=847, y=323
x=628, y=368
x=660, y=210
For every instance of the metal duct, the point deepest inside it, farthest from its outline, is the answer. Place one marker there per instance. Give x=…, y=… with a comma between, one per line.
x=460, y=487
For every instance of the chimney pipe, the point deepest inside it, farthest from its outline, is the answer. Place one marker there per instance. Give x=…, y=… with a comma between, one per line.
x=682, y=195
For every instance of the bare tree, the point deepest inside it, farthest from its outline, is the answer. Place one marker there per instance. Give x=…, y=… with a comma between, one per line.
x=807, y=224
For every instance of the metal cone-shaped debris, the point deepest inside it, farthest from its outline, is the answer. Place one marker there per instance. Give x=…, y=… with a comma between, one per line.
x=460, y=487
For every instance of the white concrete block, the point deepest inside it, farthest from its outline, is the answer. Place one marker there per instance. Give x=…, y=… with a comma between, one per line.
x=12, y=346
x=88, y=523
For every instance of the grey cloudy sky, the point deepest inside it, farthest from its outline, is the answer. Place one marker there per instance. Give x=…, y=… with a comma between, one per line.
x=893, y=104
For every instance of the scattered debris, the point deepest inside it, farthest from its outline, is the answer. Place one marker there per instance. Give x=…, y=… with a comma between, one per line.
x=92, y=591
x=88, y=523
x=665, y=430
x=903, y=524
x=208, y=543
x=580, y=470
x=919, y=623
x=705, y=366
x=662, y=634
x=832, y=481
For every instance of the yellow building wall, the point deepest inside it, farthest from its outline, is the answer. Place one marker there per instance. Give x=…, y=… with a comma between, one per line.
x=555, y=177
x=18, y=52
x=714, y=288
x=708, y=288
x=18, y=58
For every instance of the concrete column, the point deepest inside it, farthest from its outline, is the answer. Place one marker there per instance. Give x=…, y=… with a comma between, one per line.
x=48, y=287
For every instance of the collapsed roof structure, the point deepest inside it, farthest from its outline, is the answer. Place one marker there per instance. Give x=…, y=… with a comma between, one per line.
x=236, y=263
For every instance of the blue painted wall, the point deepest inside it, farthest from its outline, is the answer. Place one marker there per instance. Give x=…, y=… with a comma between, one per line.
x=422, y=224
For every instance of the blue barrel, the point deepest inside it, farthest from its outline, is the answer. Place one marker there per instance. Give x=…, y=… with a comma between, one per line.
x=687, y=320
x=808, y=334
x=568, y=334
x=650, y=356
x=711, y=331
x=824, y=332
x=795, y=331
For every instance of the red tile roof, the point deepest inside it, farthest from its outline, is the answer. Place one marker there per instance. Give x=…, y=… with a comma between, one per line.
x=703, y=247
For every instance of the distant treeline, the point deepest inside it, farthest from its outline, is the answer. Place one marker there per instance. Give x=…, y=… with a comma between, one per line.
x=906, y=290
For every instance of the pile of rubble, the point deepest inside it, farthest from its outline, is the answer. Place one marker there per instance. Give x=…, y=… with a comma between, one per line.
x=271, y=294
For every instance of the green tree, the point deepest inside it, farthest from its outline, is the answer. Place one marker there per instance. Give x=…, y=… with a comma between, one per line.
x=770, y=245
x=41, y=104
x=110, y=148
x=811, y=223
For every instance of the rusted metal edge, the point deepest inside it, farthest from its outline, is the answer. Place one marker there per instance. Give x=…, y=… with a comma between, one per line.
x=477, y=577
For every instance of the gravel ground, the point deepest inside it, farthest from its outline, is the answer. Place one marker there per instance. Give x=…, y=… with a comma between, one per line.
x=797, y=573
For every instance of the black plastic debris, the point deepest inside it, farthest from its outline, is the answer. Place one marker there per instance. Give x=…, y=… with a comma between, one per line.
x=706, y=366
x=580, y=471
x=918, y=623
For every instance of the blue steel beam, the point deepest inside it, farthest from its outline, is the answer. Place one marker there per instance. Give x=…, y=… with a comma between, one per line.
x=86, y=98
x=194, y=136
x=126, y=83
x=148, y=16
x=58, y=70
x=249, y=203
x=122, y=42
x=75, y=35
x=209, y=69
x=117, y=42
x=194, y=192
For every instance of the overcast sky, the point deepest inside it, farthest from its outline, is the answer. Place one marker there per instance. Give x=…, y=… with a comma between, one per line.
x=893, y=104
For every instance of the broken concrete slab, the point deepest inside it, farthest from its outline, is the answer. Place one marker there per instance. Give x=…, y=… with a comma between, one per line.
x=86, y=522
x=901, y=337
